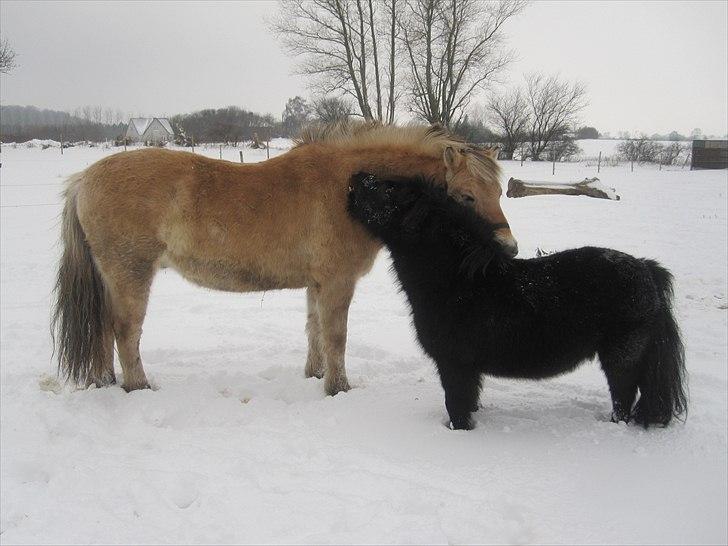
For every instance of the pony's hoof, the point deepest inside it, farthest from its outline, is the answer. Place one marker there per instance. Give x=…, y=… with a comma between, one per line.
x=336, y=385
x=314, y=371
x=129, y=388
x=462, y=423
x=106, y=380
x=619, y=417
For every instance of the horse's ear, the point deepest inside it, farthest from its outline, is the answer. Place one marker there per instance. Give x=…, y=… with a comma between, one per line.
x=492, y=152
x=452, y=159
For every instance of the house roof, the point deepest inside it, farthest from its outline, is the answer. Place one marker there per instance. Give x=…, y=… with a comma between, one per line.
x=142, y=124
x=165, y=123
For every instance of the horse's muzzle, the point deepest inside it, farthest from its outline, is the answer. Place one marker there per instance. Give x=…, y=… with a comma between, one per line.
x=511, y=249
x=507, y=242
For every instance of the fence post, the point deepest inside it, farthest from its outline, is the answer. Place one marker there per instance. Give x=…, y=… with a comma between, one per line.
x=61, y=143
x=241, y=157
x=599, y=165
x=553, y=166
x=192, y=138
x=220, y=151
x=632, y=165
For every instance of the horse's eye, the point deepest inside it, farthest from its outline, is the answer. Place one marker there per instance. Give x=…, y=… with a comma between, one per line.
x=467, y=200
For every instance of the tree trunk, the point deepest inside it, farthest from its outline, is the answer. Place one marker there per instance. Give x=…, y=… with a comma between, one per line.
x=589, y=187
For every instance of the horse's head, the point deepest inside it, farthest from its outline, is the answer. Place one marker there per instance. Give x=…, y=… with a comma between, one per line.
x=473, y=178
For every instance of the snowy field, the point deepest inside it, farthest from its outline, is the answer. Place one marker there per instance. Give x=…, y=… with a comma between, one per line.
x=236, y=446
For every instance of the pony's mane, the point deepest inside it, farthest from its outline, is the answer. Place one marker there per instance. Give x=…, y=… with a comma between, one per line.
x=474, y=234
x=429, y=139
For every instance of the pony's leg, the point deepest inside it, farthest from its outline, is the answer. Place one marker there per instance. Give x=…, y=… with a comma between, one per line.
x=462, y=391
x=129, y=292
x=315, y=359
x=620, y=364
x=333, y=306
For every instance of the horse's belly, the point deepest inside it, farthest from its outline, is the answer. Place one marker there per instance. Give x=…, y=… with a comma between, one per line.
x=220, y=274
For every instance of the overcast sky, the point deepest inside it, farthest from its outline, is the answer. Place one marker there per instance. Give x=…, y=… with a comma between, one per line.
x=649, y=66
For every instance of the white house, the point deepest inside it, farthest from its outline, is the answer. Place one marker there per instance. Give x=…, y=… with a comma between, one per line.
x=154, y=130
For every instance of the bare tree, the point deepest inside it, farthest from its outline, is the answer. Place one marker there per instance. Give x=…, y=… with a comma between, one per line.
x=453, y=47
x=510, y=114
x=640, y=150
x=295, y=115
x=341, y=44
x=554, y=106
x=7, y=57
x=331, y=109
x=669, y=153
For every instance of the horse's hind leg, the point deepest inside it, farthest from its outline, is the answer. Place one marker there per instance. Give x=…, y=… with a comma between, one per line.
x=315, y=359
x=129, y=292
x=106, y=376
x=620, y=362
x=333, y=306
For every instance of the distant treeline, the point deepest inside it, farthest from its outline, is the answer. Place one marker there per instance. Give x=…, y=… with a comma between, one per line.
x=231, y=124
x=22, y=123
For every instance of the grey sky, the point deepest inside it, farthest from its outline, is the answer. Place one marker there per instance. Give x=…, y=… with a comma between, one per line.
x=649, y=66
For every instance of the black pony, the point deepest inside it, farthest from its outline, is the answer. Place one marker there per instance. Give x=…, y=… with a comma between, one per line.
x=476, y=311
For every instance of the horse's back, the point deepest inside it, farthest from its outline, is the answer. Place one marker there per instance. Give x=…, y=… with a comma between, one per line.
x=275, y=224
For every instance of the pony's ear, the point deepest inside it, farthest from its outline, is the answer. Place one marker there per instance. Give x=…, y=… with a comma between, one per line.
x=452, y=159
x=491, y=152
x=358, y=177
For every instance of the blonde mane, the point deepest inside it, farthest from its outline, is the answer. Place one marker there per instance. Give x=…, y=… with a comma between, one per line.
x=429, y=139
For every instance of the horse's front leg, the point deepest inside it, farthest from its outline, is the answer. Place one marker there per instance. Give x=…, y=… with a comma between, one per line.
x=333, y=306
x=315, y=359
x=462, y=391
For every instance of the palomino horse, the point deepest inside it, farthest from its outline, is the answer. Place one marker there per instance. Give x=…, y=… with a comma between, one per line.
x=281, y=223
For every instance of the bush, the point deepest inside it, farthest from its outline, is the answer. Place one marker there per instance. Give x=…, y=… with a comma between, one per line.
x=640, y=150
x=562, y=150
x=586, y=133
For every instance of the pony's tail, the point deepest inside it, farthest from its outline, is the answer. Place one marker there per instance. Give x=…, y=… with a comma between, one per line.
x=662, y=369
x=81, y=321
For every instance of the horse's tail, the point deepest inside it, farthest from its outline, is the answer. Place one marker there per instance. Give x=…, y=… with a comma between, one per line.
x=81, y=319
x=662, y=370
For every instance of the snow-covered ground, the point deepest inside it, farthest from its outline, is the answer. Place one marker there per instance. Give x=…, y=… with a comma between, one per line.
x=236, y=446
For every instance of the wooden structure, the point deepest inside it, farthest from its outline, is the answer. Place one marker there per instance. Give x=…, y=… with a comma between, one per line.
x=709, y=154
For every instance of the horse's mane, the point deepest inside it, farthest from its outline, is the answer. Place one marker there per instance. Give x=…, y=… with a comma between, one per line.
x=430, y=139
x=471, y=232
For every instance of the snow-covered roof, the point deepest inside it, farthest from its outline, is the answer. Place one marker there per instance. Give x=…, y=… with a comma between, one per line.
x=165, y=123
x=142, y=124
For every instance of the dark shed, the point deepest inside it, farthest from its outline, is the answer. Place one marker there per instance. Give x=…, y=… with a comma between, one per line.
x=709, y=154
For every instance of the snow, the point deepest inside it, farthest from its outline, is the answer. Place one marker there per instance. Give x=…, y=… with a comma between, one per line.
x=236, y=446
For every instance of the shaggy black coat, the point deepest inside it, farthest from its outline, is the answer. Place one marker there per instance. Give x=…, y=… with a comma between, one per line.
x=476, y=311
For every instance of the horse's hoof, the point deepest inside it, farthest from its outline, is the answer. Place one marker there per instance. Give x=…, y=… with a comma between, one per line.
x=619, y=417
x=462, y=423
x=129, y=388
x=105, y=380
x=312, y=371
x=337, y=385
